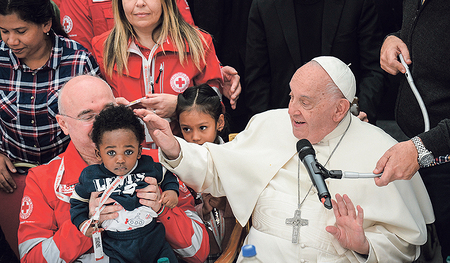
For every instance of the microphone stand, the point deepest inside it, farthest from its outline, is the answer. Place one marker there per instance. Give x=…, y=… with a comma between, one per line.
x=334, y=174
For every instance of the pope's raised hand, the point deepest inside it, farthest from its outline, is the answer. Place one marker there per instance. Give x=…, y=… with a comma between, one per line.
x=348, y=229
x=161, y=133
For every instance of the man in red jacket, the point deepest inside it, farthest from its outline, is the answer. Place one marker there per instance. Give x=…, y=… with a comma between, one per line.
x=46, y=233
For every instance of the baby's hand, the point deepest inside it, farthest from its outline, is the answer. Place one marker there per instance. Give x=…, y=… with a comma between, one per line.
x=169, y=198
x=91, y=228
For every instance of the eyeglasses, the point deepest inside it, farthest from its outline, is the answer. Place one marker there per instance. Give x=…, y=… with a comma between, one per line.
x=88, y=118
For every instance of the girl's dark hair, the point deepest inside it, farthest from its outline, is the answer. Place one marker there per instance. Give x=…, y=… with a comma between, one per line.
x=202, y=98
x=34, y=11
x=113, y=118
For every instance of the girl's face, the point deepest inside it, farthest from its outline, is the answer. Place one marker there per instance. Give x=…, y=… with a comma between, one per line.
x=143, y=15
x=119, y=151
x=199, y=127
x=25, y=39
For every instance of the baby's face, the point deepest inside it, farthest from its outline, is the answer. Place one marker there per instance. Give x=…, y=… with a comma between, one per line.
x=119, y=151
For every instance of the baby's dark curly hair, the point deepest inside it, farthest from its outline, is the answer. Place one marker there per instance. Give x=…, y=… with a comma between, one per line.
x=113, y=118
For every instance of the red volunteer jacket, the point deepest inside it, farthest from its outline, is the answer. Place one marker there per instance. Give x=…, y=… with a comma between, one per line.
x=162, y=72
x=84, y=19
x=46, y=233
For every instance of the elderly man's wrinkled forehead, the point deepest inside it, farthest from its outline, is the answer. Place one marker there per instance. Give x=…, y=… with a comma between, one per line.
x=312, y=77
x=82, y=91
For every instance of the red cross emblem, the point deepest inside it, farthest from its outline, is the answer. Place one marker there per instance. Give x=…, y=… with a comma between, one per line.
x=27, y=207
x=67, y=24
x=179, y=82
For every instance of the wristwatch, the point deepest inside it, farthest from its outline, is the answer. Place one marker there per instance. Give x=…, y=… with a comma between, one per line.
x=425, y=157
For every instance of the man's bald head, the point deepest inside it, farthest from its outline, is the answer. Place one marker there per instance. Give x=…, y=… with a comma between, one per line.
x=83, y=87
x=80, y=100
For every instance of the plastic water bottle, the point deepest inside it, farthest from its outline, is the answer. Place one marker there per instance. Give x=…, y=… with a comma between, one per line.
x=249, y=254
x=163, y=260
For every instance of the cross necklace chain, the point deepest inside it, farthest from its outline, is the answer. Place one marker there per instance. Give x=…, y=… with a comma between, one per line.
x=297, y=221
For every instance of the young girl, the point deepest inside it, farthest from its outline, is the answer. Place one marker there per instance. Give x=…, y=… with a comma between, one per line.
x=201, y=116
x=134, y=236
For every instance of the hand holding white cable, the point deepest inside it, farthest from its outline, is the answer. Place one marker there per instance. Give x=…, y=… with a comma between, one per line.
x=416, y=94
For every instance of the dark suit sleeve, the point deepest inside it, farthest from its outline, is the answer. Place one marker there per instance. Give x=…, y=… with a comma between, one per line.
x=372, y=77
x=257, y=69
x=437, y=140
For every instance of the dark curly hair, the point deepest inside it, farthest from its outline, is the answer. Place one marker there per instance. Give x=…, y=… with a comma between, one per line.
x=113, y=118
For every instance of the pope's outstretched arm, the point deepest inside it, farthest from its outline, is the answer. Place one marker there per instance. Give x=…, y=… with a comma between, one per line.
x=161, y=133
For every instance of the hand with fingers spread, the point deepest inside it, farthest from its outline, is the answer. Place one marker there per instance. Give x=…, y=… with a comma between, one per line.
x=7, y=183
x=231, y=85
x=348, y=229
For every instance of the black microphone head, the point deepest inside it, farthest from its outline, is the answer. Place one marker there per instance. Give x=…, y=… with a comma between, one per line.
x=304, y=147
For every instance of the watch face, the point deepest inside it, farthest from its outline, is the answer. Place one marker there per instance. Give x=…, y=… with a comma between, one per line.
x=426, y=159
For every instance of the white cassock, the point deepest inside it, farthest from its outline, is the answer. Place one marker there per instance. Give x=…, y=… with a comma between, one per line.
x=258, y=170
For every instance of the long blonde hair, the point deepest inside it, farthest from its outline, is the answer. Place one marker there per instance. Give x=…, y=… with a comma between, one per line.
x=171, y=25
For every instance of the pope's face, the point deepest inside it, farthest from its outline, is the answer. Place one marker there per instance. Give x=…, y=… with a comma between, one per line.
x=311, y=107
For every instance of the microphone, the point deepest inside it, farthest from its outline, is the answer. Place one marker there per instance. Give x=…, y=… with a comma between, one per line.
x=307, y=155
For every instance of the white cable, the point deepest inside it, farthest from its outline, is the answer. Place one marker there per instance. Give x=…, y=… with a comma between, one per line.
x=416, y=93
x=359, y=175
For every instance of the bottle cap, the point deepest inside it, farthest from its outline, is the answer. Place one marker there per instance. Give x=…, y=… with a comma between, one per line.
x=163, y=260
x=248, y=251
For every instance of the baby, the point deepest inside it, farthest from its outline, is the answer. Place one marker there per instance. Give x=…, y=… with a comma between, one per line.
x=135, y=235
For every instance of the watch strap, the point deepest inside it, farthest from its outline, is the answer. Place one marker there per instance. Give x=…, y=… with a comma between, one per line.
x=421, y=151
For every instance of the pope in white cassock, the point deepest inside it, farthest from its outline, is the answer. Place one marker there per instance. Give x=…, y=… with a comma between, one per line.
x=261, y=175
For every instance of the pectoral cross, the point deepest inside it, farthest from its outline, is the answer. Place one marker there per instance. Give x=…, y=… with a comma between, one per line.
x=296, y=222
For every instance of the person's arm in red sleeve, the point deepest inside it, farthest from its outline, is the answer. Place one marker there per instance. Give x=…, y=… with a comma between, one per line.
x=185, y=11
x=46, y=234
x=77, y=21
x=185, y=231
